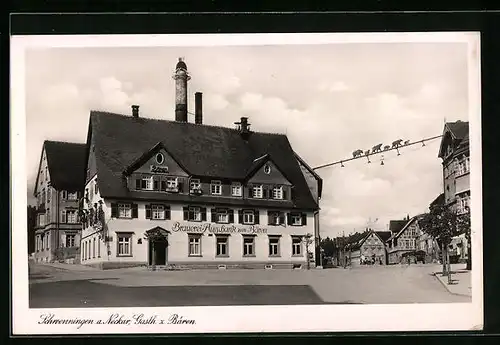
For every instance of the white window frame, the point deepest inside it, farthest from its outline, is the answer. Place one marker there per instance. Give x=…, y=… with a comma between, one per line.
x=71, y=217
x=157, y=212
x=221, y=242
x=124, y=210
x=71, y=238
x=216, y=187
x=194, y=184
x=257, y=192
x=278, y=193
x=196, y=212
x=73, y=196
x=222, y=216
x=194, y=242
x=236, y=189
x=296, y=216
x=274, y=248
x=124, y=245
x=148, y=180
x=297, y=246
x=250, y=245
x=159, y=154
x=172, y=183
x=247, y=215
x=267, y=169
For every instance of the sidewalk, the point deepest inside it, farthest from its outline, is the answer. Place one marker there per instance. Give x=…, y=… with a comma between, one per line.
x=461, y=282
x=68, y=267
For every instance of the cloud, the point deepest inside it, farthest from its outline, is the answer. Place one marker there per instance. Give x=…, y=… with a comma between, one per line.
x=336, y=86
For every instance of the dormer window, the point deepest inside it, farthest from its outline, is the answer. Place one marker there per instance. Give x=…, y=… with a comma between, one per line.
x=216, y=187
x=278, y=192
x=172, y=184
x=267, y=169
x=236, y=189
x=257, y=192
x=73, y=196
x=159, y=158
x=194, y=184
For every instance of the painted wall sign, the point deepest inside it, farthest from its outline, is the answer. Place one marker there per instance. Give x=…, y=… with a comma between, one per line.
x=219, y=228
x=158, y=169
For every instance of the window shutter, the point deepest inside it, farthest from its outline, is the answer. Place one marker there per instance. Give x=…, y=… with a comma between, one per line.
x=250, y=191
x=163, y=186
x=63, y=216
x=114, y=210
x=167, y=211
x=256, y=216
x=180, y=185
x=138, y=183
x=213, y=214
x=231, y=216
x=289, y=218
x=240, y=217
x=134, y=211
x=284, y=193
x=186, y=212
x=304, y=219
x=155, y=184
x=148, y=211
x=264, y=191
x=143, y=184
x=282, y=218
x=203, y=214
x=269, y=218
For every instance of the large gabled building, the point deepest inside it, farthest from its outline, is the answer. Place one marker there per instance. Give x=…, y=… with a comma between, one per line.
x=162, y=193
x=58, y=186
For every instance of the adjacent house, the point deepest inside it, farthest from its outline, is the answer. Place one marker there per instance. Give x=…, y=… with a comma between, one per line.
x=404, y=242
x=58, y=186
x=368, y=247
x=174, y=193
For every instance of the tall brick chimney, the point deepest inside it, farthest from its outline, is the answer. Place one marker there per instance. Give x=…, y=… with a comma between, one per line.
x=181, y=78
x=198, y=108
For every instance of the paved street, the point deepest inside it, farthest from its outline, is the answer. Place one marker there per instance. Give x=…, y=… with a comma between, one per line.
x=78, y=286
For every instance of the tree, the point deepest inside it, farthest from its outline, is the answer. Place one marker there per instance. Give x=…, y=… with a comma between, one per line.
x=31, y=213
x=329, y=247
x=308, y=240
x=463, y=224
x=442, y=223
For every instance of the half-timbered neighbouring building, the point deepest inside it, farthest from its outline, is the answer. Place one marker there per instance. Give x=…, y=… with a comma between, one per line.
x=164, y=193
x=58, y=186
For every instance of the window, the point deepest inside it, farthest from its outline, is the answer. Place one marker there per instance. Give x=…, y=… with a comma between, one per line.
x=124, y=211
x=216, y=187
x=147, y=182
x=257, y=191
x=276, y=218
x=124, y=245
x=171, y=183
x=158, y=211
x=194, y=245
x=73, y=196
x=278, y=192
x=296, y=246
x=194, y=184
x=63, y=218
x=296, y=219
x=93, y=248
x=222, y=246
x=222, y=216
x=274, y=246
x=71, y=216
x=248, y=246
x=70, y=240
x=47, y=215
x=267, y=169
x=159, y=158
x=236, y=189
x=463, y=204
x=194, y=214
x=248, y=217
x=64, y=195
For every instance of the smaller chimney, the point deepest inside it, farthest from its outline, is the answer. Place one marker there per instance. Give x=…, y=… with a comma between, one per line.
x=198, y=108
x=244, y=127
x=135, y=111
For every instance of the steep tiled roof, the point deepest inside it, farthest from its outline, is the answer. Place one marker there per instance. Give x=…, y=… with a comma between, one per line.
x=66, y=163
x=459, y=128
x=201, y=149
x=396, y=225
x=384, y=235
x=438, y=201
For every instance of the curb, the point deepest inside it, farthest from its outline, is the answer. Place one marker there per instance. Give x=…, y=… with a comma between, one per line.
x=447, y=288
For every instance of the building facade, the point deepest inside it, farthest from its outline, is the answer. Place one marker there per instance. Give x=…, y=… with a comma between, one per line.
x=58, y=186
x=175, y=193
x=455, y=155
x=369, y=249
x=404, y=242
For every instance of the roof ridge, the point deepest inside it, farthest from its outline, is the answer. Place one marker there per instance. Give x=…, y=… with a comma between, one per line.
x=62, y=142
x=97, y=112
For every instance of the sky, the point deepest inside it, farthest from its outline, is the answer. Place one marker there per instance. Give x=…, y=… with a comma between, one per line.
x=328, y=99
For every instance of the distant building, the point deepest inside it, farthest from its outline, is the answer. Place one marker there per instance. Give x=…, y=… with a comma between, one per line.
x=405, y=242
x=368, y=247
x=163, y=192
x=455, y=155
x=395, y=226
x=58, y=186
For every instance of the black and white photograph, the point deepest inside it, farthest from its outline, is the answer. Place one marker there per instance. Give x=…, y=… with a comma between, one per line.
x=156, y=178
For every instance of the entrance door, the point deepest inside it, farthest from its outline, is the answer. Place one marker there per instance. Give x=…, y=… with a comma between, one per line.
x=158, y=252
